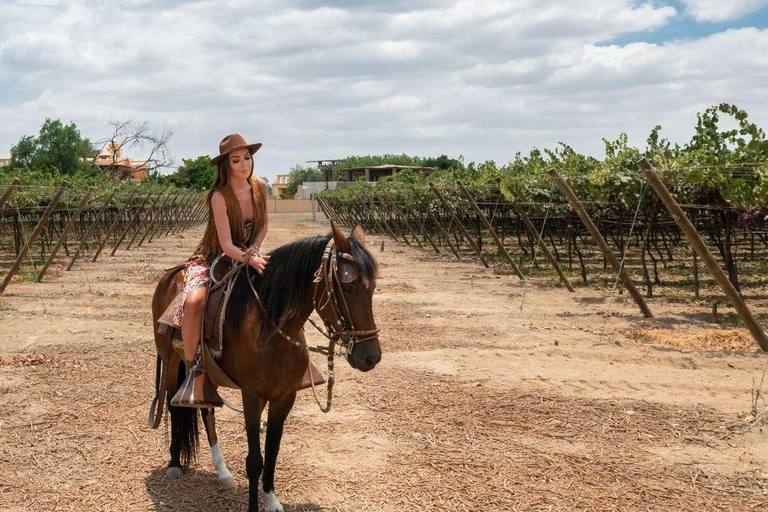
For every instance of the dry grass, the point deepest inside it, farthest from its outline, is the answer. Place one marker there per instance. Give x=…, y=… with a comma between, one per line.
x=710, y=339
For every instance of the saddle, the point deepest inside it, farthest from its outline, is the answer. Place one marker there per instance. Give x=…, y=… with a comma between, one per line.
x=213, y=321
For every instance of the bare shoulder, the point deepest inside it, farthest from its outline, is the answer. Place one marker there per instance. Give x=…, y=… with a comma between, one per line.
x=262, y=183
x=217, y=200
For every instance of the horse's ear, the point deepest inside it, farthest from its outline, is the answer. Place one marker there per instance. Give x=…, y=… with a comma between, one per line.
x=342, y=244
x=358, y=234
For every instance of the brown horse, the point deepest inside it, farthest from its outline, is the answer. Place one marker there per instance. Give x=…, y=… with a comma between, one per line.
x=332, y=274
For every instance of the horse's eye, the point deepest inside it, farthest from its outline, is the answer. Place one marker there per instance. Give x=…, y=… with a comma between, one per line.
x=348, y=273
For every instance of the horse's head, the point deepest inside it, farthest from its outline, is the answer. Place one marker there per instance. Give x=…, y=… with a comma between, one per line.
x=345, y=298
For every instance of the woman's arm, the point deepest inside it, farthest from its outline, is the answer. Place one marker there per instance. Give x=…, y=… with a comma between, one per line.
x=221, y=220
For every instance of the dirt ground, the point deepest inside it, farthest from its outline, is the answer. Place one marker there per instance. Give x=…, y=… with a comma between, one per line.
x=492, y=394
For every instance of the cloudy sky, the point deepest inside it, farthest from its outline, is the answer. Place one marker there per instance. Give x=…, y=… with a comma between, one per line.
x=311, y=80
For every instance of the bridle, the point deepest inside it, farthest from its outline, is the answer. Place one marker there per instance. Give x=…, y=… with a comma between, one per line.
x=331, y=298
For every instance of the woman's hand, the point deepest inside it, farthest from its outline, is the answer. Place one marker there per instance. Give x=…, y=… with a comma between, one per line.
x=258, y=263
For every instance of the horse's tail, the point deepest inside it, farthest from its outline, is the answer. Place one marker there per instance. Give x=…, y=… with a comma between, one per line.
x=156, y=408
x=184, y=427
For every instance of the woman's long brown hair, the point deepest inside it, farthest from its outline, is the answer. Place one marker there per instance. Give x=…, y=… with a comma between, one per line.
x=209, y=246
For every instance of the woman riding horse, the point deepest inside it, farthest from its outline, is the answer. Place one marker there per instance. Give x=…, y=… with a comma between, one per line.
x=237, y=225
x=266, y=353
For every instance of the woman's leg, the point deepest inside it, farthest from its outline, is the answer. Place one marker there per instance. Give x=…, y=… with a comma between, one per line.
x=190, y=325
x=197, y=389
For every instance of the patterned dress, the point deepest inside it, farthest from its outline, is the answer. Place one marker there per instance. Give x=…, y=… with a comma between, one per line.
x=196, y=274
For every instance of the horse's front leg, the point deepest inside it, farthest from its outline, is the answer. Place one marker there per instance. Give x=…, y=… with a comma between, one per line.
x=278, y=412
x=225, y=477
x=253, y=406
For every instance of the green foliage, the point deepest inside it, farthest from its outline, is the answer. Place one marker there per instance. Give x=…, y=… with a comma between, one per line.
x=195, y=173
x=298, y=175
x=717, y=166
x=57, y=146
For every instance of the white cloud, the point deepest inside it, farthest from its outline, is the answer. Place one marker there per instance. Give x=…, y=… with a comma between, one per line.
x=480, y=78
x=722, y=10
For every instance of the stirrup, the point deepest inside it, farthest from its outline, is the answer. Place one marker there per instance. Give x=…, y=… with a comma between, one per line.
x=197, y=390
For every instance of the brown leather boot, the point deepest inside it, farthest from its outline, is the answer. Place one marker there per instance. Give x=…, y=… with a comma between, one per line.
x=311, y=372
x=197, y=390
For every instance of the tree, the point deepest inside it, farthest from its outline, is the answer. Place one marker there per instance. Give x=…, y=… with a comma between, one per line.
x=23, y=152
x=57, y=146
x=138, y=137
x=199, y=172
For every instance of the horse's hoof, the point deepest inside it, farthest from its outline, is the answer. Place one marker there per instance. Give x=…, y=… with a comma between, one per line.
x=271, y=504
x=174, y=472
x=228, y=483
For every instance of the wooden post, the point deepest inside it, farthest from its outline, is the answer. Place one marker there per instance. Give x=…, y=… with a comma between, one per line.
x=701, y=249
x=600, y=241
x=138, y=223
x=323, y=208
x=490, y=229
x=461, y=227
x=192, y=214
x=421, y=226
x=443, y=233
x=330, y=212
x=38, y=229
x=7, y=193
x=112, y=227
x=398, y=211
x=375, y=216
x=386, y=228
x=155, y=222
x=188, y=214
x=393, y=227
x=159, y=223
x=181, y=220
x=130, y=223
x=532, y=231
x=175, y=214
x=91, y=228
x=63, y=236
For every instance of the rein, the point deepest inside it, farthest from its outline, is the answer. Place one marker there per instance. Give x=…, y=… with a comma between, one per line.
x=339, y=326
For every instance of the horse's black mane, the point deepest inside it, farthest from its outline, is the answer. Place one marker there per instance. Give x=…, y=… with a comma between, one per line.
x=286, y=285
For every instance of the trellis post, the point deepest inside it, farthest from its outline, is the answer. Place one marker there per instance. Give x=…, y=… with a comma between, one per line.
x=63, y=236
x=461, y=227
x=38, y=229
x=490, y=229
x=91, y=228
x=443, y=234
x=11, y=187
x=421, y=226
x=405, y=218
x=600, y=241
x=702, y=250
x=130, y=223
x=138, y=223
x=532, y=231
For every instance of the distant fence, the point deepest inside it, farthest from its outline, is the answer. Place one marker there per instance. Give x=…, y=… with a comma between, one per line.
x=291, y=206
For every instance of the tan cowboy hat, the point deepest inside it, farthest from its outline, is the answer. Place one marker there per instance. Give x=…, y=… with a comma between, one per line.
x=231, y=143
